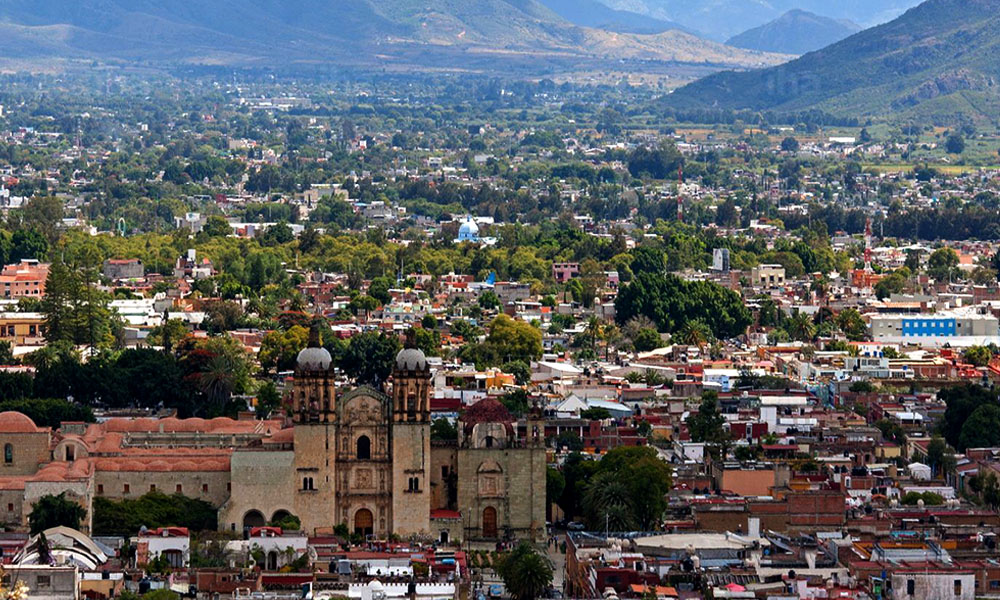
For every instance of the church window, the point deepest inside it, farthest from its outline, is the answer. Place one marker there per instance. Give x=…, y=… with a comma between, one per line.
x=364, y=448
x=489, y=441
x=308, y=484
x=8, y=453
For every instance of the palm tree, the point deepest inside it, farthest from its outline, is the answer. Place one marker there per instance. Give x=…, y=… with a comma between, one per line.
x=217, y=380
x=608, y=501
x=594, y=332
x=801, y=328
x=694, y=333
x=526, y=573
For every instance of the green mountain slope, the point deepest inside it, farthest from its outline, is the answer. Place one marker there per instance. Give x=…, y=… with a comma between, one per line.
x=795, y=32
x=939, y=60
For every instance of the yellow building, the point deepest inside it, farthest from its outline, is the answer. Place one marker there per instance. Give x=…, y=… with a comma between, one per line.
x=22, y=329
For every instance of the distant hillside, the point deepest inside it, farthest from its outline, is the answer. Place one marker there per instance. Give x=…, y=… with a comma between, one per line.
x=454, y=34
x=795, y=32
x=723, y=19
x=591, y=13
x=940, y=60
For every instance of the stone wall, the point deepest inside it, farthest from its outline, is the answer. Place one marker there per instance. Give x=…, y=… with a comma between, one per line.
x=265, y=481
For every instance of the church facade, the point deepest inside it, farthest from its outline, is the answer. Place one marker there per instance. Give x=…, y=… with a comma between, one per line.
x=365, y=459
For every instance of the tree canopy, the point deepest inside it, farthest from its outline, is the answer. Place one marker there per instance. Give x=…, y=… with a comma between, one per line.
x=671, y=302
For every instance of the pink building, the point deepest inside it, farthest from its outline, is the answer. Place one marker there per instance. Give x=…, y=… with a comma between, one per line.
x=25, y=279
x=563, y=272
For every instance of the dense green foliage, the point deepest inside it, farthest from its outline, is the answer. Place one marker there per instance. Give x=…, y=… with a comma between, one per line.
x=971, y=418
x=152, y=510
x=55, y=511
x=627, y=490
x=670, y=302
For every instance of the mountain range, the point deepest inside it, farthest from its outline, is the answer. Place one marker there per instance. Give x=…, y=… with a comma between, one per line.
x=592, y=13
x=454, y=34
x=939, y=61
x=723, y=19
x=795, y=32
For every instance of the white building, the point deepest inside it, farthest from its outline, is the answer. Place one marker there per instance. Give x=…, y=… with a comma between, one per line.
x=170, y=543
x=955, y=328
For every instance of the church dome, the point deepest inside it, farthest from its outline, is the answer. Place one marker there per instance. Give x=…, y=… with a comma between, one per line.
x=487, y=410
x=313, y=359
x=411, y=359
x=468, y=229
x=16, y=422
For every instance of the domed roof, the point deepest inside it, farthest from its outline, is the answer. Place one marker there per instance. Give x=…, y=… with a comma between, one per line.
x=469, y=227
x=15, y=422
x=313, y=359
x=487, y=410
x=411, y=359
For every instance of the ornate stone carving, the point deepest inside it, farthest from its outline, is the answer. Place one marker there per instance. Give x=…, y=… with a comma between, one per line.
x=363, y=479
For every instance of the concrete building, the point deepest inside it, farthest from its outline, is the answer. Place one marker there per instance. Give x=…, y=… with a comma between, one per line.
x=956, y=328
x=120, y=269
x=767, y=276
x=563, y=272
x=25, y=279
x=23, y=329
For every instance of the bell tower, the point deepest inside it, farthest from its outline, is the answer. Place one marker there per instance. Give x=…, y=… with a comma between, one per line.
x=313, y=395
x=411, y=441
x=411, y=385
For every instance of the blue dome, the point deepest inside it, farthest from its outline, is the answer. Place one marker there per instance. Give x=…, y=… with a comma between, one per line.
x=468, y=229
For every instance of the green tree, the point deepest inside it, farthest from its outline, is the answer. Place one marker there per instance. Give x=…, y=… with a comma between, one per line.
x=647, y=339
x=852, y=324
x=48, y=412
x=708, y=424
x=960, y=402
x=516, y=401
x=488, y=300
x=693, y=333
x=54, y=511
x=61, y=288
x=28, y=243
x=955, y=144
x=980, y=430
x=444, y=431
x=154, y=509
x=268, y=399
x=661, y=162
x=646, y=480
x=379, y=289
x=370, y=358
x=670, y=302
x=936, y=450
x=168, y=334
x=789, y=144
x=943, y=264
x=526, y=574
x=216, y=226
x=979, y=356
x=279, y=349
x=520, y=370
x=514, y=340
x=555, y=483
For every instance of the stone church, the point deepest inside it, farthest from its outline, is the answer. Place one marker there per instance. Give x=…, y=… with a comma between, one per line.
x=365, y=459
